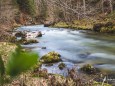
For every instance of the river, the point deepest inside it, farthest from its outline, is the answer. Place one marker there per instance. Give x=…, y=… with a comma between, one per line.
x=75, y=46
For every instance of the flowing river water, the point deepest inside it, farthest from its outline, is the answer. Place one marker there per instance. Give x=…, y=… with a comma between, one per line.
x=75, y=46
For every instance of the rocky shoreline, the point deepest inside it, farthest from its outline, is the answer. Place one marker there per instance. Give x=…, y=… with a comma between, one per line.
x=74, y=75
x=52, y=58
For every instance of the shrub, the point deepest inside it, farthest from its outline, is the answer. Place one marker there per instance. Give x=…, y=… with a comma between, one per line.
x=20, y=61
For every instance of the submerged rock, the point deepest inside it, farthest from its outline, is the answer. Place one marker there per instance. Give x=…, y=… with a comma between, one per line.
x=43, y=48
x=89, y=69
x=51, y=57
x=61, y=66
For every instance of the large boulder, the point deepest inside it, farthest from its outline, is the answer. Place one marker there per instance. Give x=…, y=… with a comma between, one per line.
x=48, y=23
x=51, y=57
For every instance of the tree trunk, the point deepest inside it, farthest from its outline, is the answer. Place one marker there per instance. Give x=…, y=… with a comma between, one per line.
x=102, y=6
x=111, y=6
x=84, y=7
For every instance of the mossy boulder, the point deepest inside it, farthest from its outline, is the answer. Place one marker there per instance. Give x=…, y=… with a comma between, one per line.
x=51, y=57
x=89, y=69
x=61, y=66
x=61, y=25
x=107, y=27
x=25, y=42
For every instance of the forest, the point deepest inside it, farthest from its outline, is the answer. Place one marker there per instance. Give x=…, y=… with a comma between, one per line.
x=57, y=42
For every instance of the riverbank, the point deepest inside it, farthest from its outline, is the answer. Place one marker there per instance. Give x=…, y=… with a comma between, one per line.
x=47, y=79
x=48, y=41
x=40, y=77
x=105, y=25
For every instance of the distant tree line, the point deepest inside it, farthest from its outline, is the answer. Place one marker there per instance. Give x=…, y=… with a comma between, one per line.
x=68, y=10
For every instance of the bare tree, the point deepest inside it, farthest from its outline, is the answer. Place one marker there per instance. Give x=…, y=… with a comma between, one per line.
x=111, y=6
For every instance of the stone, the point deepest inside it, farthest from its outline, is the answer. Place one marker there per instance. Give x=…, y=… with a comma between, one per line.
x=25, y=42
x=19, y=34
x=43, y=48
x=89, y=69
x=61, y=66
x=51, y=57
x=39, y=34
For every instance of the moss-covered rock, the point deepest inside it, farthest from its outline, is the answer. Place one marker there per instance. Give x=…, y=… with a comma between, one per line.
x=61, y=25
x=89, y=69
x=61, y=66
x=107, y=27
x=25, y=42
x=40, y=73
x=51, y=57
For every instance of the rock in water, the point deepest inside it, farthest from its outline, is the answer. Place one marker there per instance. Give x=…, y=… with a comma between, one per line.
x=61, y=66
x=39, y=34
x=89, y=69
x=43, y=48
x=51, y=57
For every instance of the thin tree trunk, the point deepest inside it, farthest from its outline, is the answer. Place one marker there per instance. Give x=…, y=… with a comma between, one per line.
x=84, y=7
x=111, y=6
x=78, y=9
x=102, y=6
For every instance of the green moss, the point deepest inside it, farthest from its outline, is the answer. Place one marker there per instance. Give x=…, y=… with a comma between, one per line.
x=89, y=69
x=77, y=24
x=25, y=41
x=100, y=84
x=29, y=41
x=51, y=57
x=61, y=25
x=61, y=66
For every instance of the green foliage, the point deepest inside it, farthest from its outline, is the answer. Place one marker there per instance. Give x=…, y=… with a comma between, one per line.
x=2, y=71
x=20, y=61
x=112, y=16
x=27, y=6
x=2, y=68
